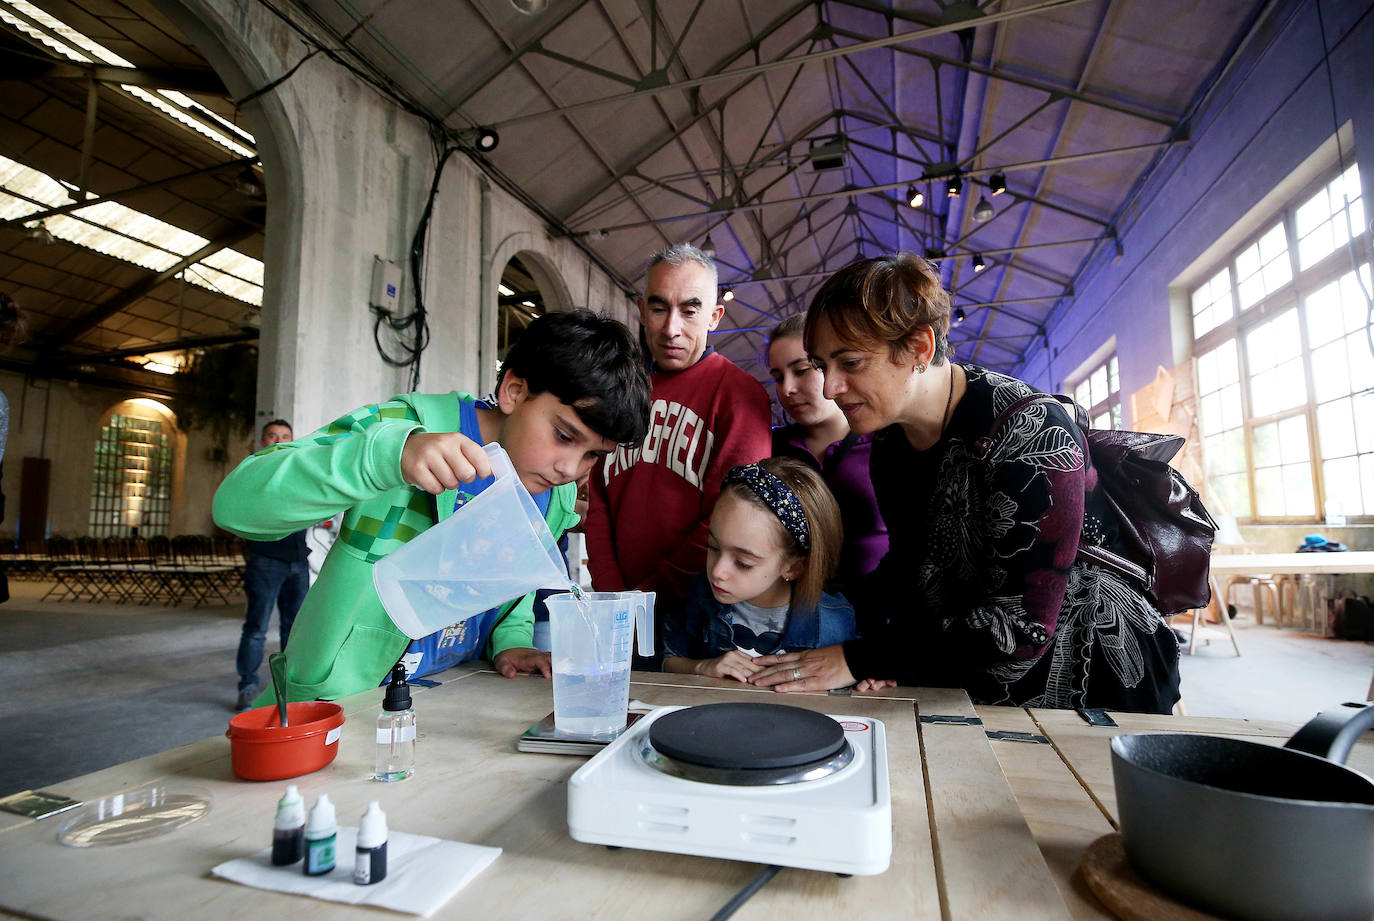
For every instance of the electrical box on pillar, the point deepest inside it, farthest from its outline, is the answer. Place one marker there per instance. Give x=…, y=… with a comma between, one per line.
x=386, y=284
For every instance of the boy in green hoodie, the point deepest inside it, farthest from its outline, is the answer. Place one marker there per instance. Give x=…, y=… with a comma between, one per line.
x=571, y=389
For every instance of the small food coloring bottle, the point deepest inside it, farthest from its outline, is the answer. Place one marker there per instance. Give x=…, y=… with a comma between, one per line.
x=288, y=832
x=370, y=864
x=396, y=730
x=321, y=834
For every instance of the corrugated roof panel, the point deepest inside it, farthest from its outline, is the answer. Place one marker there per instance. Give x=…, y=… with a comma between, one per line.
x=115, y=230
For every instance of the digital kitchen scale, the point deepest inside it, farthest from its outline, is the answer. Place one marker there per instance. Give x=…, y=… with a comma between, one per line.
x=765, y=783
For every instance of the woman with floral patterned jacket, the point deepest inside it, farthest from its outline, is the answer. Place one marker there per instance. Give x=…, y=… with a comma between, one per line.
x=980, y=588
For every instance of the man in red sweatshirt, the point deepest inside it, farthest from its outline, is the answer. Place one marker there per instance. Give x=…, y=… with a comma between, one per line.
x=650, y=505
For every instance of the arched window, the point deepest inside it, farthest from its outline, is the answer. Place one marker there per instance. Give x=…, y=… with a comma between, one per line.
x=131, y=483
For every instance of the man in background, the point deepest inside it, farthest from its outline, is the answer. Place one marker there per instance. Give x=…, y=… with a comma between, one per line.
x=650, y=505
x=276, y=573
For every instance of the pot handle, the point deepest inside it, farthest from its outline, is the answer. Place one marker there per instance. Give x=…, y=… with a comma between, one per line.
x=1332, y=733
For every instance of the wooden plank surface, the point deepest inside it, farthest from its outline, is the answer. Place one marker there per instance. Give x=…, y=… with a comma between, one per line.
x=1317, y=563
x=988, y=861
x=1087, y=748
x=470, y=786
x=981, y=829
x=1061, y=814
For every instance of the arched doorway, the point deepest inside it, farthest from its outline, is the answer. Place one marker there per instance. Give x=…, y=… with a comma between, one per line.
x=519, y=301
x=135, y=466
x=529, y=287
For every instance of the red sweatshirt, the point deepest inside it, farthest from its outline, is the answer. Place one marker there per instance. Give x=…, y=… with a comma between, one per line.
x=649, y=506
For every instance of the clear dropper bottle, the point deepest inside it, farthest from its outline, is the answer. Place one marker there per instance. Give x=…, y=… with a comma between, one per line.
x=396, y=730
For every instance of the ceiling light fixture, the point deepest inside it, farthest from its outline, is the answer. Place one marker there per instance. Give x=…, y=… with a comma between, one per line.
x=727, y=295
x=998, y=183
x=978, y=263
x=983, y=211
x=530, y=7
x=40, y=234
x=1120, y=250
x=487, y=140
x=959, y=315
x=246, y=183
x=954, y=187
x=708, y=247
x=915, y=197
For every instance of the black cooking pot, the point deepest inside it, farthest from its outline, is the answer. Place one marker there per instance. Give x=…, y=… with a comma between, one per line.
x=1252, y=831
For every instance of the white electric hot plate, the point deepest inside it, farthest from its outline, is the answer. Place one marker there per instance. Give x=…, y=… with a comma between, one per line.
x=766, y=783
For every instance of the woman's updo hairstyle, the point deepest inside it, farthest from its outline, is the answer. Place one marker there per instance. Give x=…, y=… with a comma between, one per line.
x=883, y=299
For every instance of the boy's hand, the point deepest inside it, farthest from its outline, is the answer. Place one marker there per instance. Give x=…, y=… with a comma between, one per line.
x=518, y=659
x=436, y=462
x=734, y=664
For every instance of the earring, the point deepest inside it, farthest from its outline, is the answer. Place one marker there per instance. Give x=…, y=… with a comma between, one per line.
x=920, y=367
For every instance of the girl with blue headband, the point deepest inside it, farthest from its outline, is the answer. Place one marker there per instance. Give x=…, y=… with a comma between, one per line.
x=774, y=539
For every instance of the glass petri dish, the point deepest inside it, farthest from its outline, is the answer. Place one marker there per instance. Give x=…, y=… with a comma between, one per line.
x=135, y=815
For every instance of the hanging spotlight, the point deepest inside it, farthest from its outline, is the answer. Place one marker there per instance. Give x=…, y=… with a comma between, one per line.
x=959, y=315
x=708, y=247
x=487, y=139
x=954, y=187
x=40, y=234
x=530, y=7
x=983, y=211
x=727, y=296
x=915, y=197
x=998, y=183
x=978, y=263
x=247, y=185
x=1119, y=250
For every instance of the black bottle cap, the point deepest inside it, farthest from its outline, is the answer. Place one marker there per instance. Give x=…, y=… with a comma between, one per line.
x=397, y=692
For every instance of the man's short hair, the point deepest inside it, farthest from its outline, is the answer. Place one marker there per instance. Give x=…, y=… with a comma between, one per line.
x=680, y=254
x=281, y=422
x=591, y=363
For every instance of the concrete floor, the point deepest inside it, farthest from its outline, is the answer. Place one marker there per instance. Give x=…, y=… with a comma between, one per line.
x=86, y=686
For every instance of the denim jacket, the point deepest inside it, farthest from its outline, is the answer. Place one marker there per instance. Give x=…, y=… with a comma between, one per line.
x=703, y=629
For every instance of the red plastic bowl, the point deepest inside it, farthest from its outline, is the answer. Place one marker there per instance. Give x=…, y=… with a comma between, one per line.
x=260, y=749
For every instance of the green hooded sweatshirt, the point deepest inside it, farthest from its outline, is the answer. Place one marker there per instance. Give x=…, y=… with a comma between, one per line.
x=342, y=641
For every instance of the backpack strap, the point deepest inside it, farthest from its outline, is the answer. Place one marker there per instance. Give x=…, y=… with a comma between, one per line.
x=1087, y=553
x=984, y=444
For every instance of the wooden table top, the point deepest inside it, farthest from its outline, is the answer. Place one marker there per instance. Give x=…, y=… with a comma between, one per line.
x=982, y=828
x=1295, y=563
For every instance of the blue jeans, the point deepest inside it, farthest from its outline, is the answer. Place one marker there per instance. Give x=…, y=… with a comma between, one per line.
x=267, y=581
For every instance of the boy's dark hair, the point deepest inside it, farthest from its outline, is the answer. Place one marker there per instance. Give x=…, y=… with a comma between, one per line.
x=282, y=422
x=591, y=363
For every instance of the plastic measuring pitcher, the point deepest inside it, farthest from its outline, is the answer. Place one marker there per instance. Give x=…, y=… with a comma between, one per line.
x=494, y=548
x=592, y=635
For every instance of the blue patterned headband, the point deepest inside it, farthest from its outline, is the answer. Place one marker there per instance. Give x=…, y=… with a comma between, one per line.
x=780, y=500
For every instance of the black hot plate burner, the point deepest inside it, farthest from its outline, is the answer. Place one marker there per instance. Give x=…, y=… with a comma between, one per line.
x=743, y=744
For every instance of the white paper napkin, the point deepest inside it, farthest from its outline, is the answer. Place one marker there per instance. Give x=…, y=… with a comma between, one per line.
x=422, y=873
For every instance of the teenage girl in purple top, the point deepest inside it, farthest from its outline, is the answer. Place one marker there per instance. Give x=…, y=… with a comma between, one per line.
x=821, y=439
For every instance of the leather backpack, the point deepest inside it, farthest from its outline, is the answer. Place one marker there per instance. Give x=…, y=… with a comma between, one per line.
x=1160, y=533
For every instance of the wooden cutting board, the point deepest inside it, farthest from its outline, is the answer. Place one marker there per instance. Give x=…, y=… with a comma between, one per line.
x=1125, y=893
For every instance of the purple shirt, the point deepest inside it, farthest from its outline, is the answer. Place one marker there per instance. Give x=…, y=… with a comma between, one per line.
x=844, y=467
